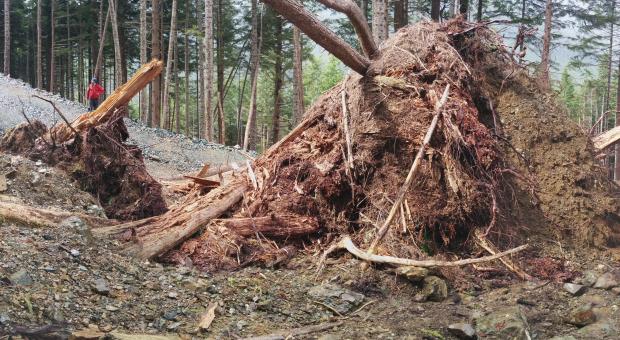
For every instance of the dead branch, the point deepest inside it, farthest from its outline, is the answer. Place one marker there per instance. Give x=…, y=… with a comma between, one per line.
x=486, y=245
x=358, y=20
x=347, y=243
x=414, y=168
x=59, y=113
x=295, y=12
x=345, y=124
x=33, y=135
x=286, y=334
x=23, y=214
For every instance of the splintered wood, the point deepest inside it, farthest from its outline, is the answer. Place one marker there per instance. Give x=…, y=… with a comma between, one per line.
x=120, y=97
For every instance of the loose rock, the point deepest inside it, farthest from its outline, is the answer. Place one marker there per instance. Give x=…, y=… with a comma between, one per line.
x=21, y=278
x=337, y=297
x=606, y=281
x=574, y=289
x=462, y=330
x=434, y=289
x=582, y=316
x=507, y=323
x=100, y=286
x=414, y=274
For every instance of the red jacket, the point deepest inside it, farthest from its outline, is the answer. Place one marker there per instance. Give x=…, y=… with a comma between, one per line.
x=94, y=91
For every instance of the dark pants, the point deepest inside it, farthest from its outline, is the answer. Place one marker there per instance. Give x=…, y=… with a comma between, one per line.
x=93, y=104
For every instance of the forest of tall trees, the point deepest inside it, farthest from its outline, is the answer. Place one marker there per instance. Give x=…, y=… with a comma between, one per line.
x=237, y=73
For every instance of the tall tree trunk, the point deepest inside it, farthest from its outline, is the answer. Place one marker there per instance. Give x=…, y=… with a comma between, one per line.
x=118, y=68
x=464, y=7
x=401, y=14
x=607, y=101
x=617, y=123
x=436, y=10
x=379, y=20
x=365, y=8
x=249, y=139
x=298, y=78
x=208, y=70
x=480, y=10
x=172, y=41
x=277, y=91
x=200, y=88
x=156, y=54
x=186, y=69
x=177, y=125
x=53, y=47
x=102, y=37
x=544, y=63
x=143, y=59
x=7, y=37
x=220, y=75
x=39, y=60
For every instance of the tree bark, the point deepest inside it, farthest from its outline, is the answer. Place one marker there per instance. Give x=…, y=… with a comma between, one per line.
x=401, y=14
x=277, y=91
x=186, y=70
x=172, y=41
x=609, y=66
x=208, y=70
x=285, y=226
x=7, y=37
x=118, y=67
x=177, y=116
x=379, y=20
x=39, y=60
x=436, y=10
x=358, y=20
x=544, y=63
x=156, y=54
x=298, y=78
x=249, y=140
x=480, y=10
x=143, y=59
x=53, y=47
x=315, y=30
x=464, y=8
x=220, y=75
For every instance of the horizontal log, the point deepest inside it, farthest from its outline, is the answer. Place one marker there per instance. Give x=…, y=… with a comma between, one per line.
x=282, y=226
x=38, y=217
x=607, y=138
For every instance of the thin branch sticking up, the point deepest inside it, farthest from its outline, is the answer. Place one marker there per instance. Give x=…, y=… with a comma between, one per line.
x=347, y=243
x=59, y=113
x=23, y=112
x=355, y=14
x=414, y=168
x=345, y=124
x=295, y=12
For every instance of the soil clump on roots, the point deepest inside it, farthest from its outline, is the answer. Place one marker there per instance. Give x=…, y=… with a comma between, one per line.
x=97, y=158
x=504, y=161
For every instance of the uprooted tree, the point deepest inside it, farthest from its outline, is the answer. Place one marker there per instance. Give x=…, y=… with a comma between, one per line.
x=438, y=137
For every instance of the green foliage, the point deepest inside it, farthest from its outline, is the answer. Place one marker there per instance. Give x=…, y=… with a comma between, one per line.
x=320, y=76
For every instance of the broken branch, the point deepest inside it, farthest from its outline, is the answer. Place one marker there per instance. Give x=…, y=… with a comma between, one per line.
x=347, y=243
x=59, y=113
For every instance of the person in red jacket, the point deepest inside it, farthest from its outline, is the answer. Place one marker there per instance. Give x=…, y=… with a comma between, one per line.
x=94, y=92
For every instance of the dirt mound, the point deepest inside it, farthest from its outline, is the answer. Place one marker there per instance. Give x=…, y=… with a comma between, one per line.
x=114, y=173
x=504, y=159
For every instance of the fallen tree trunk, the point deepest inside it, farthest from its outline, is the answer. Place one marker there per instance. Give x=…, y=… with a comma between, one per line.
x=23, y=214
x=607, y=138
x=284, y=226
x=163, y=234
x=120, y=97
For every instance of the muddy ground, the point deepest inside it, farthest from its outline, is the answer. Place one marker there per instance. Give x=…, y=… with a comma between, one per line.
x=64, y=277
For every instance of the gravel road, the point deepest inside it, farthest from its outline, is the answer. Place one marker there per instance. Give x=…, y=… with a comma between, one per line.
x=166, y=154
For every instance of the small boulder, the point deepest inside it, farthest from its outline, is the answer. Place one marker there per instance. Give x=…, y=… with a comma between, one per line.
x=413, y=274
x=606, y=281
x=506, y=323
x=574, y=289
x=582, y=316
x=589, y=278
x=21, y=278
x=433, y=289
x=462, y=331
x=100, y=286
